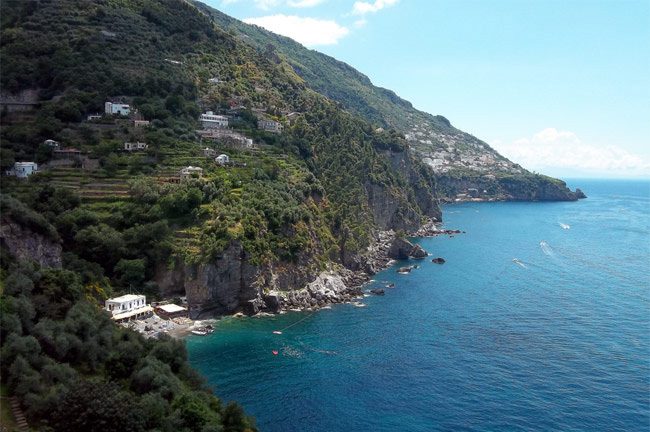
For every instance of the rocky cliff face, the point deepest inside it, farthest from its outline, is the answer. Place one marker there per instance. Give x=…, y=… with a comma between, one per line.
x=392, y=211
x=26, y=245
x=231, y=283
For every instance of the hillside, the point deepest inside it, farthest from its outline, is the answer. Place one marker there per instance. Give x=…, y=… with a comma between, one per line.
x=136, y=191
x=451, y=153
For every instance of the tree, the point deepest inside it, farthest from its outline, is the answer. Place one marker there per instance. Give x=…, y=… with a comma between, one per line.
x=96, y=405
x=101, y=243
x=131, y=272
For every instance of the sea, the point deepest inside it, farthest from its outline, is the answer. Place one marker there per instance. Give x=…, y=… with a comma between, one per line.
x=539, y=320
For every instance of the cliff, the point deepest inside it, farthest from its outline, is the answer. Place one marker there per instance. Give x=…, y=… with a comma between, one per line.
x=27, y=236
x=519, y=187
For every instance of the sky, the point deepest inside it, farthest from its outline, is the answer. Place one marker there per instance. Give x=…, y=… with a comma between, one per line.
x=560, y=87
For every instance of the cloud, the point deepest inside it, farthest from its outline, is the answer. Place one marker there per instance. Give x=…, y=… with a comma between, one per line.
x=360, y=23
x=267, y=4
x=363, y=7
x=308, y=31
x=552, y=148
x=304, y=3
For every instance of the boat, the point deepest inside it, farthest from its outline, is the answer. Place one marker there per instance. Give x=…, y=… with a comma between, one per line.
x=199, y=332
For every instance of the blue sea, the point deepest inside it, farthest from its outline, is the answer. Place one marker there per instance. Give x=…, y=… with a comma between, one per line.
x=538, y=321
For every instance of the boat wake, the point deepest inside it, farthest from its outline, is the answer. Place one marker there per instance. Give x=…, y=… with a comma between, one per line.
x=564, y=226
x=546, y=248
x=519, y=263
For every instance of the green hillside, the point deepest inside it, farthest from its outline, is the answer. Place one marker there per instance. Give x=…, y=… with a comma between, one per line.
x=102, y=221
x=450, y=152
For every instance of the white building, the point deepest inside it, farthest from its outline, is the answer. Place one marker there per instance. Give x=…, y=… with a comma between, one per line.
x=51, y=143
x=93, y=117
x=209, y=153
x=136, y=146
x=128, y=306
x=22, y=169
x=222, y=159
x=140, y=123
x=191, y=171
x=117, y=108
x=269, y=125
x=210, y=120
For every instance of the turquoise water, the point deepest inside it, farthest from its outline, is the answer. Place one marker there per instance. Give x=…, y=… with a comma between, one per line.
x=557, y=341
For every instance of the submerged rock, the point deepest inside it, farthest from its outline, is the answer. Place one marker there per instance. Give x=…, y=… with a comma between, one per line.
x=378, y=291
x=438, y=260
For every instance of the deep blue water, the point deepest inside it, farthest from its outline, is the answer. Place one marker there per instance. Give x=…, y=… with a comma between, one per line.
x=558, y=341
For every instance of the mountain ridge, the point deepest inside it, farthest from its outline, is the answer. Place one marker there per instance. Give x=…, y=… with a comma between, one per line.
x=450, y=152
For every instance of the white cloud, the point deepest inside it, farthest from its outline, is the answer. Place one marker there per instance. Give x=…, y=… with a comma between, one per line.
x=360, y=23
x=308, y=31
x=267, y=4
x=304, y=3
x=551, y=148
x=363, y=7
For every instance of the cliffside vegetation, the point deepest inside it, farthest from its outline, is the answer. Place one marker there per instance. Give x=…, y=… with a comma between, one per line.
x=307, y=196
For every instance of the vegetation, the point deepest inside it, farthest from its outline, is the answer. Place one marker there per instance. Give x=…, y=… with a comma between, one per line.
x=74, y=370
x=298, y=198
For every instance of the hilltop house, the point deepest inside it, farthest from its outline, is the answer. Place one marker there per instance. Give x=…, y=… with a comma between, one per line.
x=22, y=169
x=128, y=306
x=140, y=123
x=117, y=108
x=209, y=153
x=51, y=143
x=269, y=125
x=191, y=171
x=210, y=120
x=222, y=159
x=136, y=146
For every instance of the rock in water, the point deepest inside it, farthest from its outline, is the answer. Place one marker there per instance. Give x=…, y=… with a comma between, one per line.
x=580, y=194
x=438, y=260
x=400, y=249
x=378, y=291
x=403, y=249
x=418, y=253
x=404, y=270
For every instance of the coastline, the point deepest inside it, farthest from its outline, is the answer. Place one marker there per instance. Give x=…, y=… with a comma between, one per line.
x=336, y=285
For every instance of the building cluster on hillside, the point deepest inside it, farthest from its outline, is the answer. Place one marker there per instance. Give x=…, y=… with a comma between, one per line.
x=132, y=311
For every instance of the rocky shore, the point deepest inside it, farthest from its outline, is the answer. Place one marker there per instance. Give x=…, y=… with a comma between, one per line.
x=337, y=285
x=431, y=229
x=342, y=285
